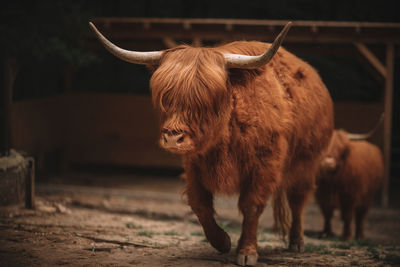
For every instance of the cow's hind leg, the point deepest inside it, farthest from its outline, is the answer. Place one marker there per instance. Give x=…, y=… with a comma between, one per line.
x=347, y=213
x=361, y=213
x=201, y=202
x=297, y=198
x=251, y=208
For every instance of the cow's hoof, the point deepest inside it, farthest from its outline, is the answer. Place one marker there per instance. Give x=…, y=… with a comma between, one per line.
x=247, y=260
x=222, y=242
x=296, y=246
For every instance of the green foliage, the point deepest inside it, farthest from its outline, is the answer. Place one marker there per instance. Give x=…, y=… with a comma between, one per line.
x=263, y=239
x=375, y=252
x=393, y=259
x=388, y=255
x=132, y=225
x=321, y=249
x=355, y=263
x=38, y=30
x=227, y=226
x=344, y=245
x=172, y=233
x=146, y=233
x=197, y=234
x=340, y=253
x=354, y=243
x=364, y=243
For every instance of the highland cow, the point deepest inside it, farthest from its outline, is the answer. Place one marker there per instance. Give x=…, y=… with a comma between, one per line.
x=248, y=118
x=350, y=175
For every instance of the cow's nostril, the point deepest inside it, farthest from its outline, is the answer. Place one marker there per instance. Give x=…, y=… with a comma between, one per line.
x=180, y=139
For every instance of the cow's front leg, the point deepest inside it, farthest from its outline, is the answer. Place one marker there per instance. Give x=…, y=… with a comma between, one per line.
x=327, y=211
x=201, y=202
x=251, y=208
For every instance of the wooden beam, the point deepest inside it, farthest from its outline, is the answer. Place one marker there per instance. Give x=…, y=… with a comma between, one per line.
x=388, y=122
x=297, y=35
x=239, y=29
x=369, y=68
x=251, y=22
x=372, y=58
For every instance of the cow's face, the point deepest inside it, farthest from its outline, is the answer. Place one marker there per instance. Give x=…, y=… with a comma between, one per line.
x=337, y=152
x=189, y=90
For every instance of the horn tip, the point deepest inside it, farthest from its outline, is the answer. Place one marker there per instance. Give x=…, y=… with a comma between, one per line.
x=289, y=24
x=93, y=27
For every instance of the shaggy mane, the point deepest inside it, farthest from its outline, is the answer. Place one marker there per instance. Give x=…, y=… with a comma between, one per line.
x=190, y=81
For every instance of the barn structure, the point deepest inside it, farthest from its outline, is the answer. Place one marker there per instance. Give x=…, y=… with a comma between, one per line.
x=122, y=129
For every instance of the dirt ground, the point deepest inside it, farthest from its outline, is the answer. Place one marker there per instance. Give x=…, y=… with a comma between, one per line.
x=127, y=220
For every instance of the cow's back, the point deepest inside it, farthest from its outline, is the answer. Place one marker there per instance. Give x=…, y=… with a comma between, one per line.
x=285, y=97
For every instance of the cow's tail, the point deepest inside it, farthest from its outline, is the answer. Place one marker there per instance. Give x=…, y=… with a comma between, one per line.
x=281, y=213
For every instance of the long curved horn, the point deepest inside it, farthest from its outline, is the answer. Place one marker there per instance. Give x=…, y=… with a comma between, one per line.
x=353, y=136
x=135, y=57
x=252, y=62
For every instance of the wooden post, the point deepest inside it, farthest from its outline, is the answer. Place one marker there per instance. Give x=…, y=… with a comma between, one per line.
x=6, y=111
x=10, y=73
x=69, y=76
x=387, y=72
x=388, y=122
x=30, y=185
x=169, y=42
x=197, y=42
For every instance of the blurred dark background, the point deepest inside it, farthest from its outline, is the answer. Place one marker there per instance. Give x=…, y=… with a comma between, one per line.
x=76, y=106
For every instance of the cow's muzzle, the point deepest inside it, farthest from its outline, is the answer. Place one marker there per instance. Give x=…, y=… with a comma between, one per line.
x=329, y=163
x=176, y=142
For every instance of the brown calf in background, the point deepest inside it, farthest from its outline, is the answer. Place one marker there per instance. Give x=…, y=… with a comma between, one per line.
x=350, y=174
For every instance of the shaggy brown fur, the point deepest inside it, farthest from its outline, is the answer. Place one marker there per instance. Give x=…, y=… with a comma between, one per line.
x=350, y=175
x=251, y=132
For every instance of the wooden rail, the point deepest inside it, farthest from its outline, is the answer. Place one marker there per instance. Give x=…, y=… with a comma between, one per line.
x=230, y=29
